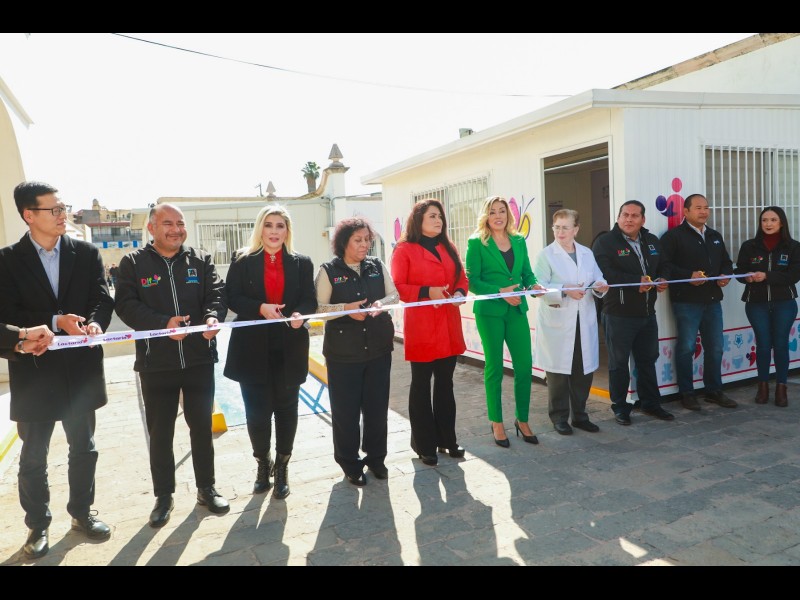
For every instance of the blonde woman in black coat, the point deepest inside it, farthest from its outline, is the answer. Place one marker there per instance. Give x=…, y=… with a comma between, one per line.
x=267, y=280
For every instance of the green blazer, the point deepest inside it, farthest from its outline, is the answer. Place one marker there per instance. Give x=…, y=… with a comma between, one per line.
x=487, y=272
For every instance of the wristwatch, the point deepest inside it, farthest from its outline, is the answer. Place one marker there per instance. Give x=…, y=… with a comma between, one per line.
x=21, y=347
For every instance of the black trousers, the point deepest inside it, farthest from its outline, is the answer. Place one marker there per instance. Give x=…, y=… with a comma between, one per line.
x=359, y=390
x=262, y=401
x=161, y=392
x=569, y=392
x=433, y=423
x=34, y=490
x=637, y=336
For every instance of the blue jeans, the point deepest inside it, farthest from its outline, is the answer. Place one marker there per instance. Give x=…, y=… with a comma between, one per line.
x=690, y=318
x=637, y=336
x=771, y=323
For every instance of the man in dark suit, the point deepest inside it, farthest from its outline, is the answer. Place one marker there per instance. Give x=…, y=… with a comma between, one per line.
x=48, y=278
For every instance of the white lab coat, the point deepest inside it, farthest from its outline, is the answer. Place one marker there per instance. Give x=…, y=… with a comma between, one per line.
x=556, y=316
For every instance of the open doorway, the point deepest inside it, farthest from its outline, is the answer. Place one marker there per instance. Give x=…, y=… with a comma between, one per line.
x=579, y=179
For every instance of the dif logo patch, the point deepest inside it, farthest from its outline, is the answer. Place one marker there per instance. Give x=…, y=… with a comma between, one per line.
x=150, y=281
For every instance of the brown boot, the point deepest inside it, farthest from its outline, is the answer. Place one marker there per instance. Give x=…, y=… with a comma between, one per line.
x=762, y=395
x=689, y=401
x=780, y=395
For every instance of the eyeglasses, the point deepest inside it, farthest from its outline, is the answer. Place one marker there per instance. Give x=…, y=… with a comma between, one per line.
x=563, y=228
x=56, y=211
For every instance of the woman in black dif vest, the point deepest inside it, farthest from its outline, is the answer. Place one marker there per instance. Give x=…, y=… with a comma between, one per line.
x=357, y=349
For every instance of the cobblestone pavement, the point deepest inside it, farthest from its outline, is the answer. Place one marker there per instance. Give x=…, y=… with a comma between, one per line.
x=719, y=487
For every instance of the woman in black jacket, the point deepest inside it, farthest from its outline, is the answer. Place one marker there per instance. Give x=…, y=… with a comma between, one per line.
x=268, y=280
x=357, y=349
x=771, y=261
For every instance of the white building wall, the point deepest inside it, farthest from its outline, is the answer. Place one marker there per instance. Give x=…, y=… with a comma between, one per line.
x=664, y=156
x=652, y=152
x=514, y=167
x=309, y=220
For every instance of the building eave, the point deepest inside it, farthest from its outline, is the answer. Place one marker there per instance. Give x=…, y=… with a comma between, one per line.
x=580, y=103
x=9, y=99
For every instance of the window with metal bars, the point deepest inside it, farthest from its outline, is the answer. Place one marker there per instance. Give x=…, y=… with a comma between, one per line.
x=221, y=240
x=462, y=202
x=740, y=182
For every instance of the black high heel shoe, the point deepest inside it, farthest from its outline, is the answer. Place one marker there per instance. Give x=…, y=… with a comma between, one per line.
x=502, y=443
x=531, y=439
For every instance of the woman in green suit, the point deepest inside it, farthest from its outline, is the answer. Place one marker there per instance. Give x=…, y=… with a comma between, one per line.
x=497, y=261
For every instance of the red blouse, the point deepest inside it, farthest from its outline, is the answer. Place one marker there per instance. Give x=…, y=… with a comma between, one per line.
x=273, y=277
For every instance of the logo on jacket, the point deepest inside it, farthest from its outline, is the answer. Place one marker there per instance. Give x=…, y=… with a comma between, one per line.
x=756, y=259
x=341, y=279
x=653, y=250
x=623, y=252
x=191, y=276
x=783, y=260
x=150, y=281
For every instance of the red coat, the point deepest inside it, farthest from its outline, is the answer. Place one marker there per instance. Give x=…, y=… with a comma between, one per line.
x=429, y=332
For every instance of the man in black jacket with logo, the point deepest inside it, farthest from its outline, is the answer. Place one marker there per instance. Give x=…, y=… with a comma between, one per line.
x=166, y=285
x=629, y=254
x=692, y=250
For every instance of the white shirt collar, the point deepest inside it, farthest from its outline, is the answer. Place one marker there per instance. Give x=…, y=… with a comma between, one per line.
x=40, y=248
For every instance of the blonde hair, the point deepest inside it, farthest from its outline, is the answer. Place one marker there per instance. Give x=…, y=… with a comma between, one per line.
x=567, y=213
x=256, y=244
x=483, y=220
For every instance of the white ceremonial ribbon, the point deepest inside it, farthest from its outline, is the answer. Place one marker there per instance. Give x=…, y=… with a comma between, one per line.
x=77, y=341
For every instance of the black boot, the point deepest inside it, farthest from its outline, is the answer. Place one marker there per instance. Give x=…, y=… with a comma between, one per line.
x=263, y=483
x=281, y=472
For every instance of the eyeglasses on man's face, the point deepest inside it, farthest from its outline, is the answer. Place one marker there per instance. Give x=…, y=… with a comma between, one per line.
x=56, y=211
x=563, y=228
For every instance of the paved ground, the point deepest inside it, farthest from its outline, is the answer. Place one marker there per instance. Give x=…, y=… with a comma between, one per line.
x=715, y=488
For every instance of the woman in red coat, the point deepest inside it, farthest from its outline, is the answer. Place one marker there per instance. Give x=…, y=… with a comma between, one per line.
x=426, y=266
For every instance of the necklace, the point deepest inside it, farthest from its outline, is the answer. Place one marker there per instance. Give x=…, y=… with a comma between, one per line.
x=272, y=258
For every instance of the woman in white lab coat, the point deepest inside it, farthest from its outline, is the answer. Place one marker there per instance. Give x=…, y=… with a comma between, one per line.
x=566, y=346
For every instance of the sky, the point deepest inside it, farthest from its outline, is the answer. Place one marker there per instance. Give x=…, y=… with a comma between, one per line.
x=129, y=118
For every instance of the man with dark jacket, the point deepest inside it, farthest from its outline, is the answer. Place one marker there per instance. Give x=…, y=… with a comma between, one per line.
x=629, y=254
x=692, y=250
x=164, y=286
x=49, y=279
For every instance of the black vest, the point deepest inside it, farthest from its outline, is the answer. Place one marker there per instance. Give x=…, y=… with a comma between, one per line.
x=347, y=340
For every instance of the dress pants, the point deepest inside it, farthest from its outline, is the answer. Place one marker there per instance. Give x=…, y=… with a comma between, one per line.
x=34, y=490
x=514, y=330
x=262, y=401
x=359, y=390
x=433, y=424
x=161, y=392
x=565, y=392
x=636, y=336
